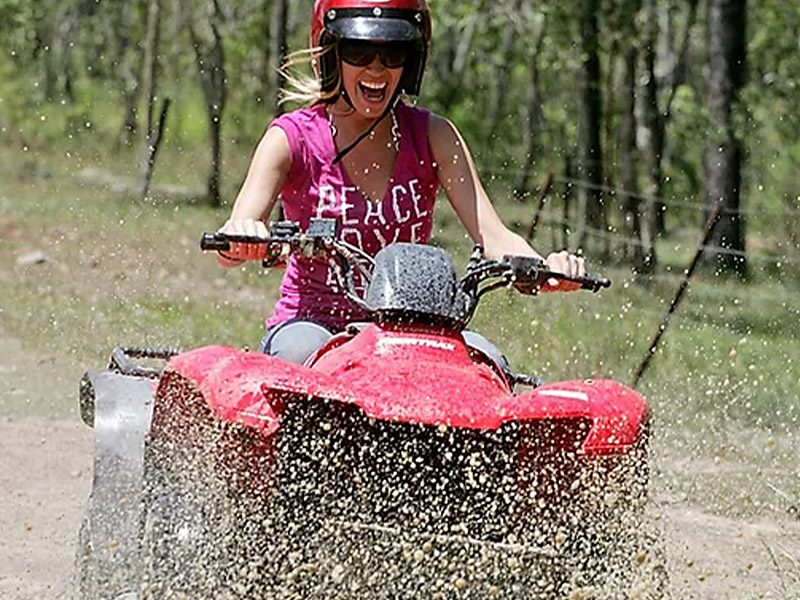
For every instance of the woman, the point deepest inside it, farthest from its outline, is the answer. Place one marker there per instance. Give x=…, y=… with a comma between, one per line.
x=362, y=155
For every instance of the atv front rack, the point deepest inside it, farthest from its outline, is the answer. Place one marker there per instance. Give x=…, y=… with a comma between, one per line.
x=121, y=362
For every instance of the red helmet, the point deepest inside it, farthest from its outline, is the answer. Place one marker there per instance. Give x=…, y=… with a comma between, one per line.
x=375, y=20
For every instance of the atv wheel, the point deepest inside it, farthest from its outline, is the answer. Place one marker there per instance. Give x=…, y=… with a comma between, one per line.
x=86, y=581
x=188, y=547
x=168, y=547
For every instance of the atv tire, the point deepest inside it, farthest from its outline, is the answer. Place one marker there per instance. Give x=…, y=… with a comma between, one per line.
x=86, y=579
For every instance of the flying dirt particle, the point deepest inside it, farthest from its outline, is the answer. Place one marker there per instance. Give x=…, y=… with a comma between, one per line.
x=419, y=555
x=771, y=441
x=113, y=543
x=513, y=562
x=749, y=566
x=689, y=563
x=560, y=538
x=642, y=556
x=337, y=575
x=494, y=591
x=427, y=547
x=583, y=593
x=733, y=352
x=460, y=583
x=28, y=527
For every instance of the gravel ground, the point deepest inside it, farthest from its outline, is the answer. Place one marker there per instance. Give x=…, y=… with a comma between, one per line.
x=45, y=478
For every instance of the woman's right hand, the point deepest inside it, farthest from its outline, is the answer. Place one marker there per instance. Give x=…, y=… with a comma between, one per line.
x=241, y=251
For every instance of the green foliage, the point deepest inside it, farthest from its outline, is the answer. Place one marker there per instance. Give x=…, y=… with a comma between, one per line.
x=63, y=64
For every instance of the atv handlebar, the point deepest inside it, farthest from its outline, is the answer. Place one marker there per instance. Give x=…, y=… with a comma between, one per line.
x=318, y=238
x=526, y=273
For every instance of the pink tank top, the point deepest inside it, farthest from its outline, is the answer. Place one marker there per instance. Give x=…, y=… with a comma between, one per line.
x=317, y=188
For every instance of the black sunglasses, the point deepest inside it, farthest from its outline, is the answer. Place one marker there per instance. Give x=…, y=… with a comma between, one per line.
x=360, y=53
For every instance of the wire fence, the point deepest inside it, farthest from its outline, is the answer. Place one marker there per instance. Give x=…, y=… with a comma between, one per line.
x=614, y=236
x=691, y=204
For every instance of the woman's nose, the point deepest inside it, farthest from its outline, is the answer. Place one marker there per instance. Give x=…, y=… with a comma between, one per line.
x=376, y=64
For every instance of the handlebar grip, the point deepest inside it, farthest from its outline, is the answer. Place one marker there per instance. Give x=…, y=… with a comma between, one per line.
x=587, y=282
x=592, y=283
x=222, y=241
x=529, y=270
x=215, y=242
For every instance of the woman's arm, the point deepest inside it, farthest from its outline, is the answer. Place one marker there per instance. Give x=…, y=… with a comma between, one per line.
x=265, y=178
x=460, y=181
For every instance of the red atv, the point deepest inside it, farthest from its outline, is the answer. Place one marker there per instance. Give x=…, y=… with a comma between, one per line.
x=397, y=462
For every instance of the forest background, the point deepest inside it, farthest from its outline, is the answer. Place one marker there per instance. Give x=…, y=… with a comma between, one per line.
x=645, y=112
x=610, y=126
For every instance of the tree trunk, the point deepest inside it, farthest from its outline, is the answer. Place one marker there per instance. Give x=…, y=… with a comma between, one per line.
x=461, y=53
x=609, y=96
x=149, y=79
x=210, y=61
x=632, y=203
x=265, y=88
x=678, y=73
x=653, y=120
x=127, y=75
x=63, y=42
x=589, y=165
x=503, y=69
x=569, y=174
x=533, y=107
x=723, y=158
x=280, y=11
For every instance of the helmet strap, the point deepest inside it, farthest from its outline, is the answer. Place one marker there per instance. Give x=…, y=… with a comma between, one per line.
x=389, y=107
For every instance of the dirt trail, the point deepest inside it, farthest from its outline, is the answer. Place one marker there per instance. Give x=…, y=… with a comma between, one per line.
x=45, y=477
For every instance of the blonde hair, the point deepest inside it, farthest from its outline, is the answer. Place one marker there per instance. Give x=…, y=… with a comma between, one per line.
x=300, y=87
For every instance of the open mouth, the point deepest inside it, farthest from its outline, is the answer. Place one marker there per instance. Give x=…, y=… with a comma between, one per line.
x=373, y=92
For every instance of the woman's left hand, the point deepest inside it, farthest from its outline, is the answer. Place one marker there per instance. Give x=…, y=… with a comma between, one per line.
x=568, y=264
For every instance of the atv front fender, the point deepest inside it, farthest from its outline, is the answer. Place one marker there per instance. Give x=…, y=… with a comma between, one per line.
x=619, y=416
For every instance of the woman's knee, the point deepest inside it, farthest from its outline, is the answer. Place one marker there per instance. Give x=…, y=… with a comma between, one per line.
x=295, y=341
x=478, y=342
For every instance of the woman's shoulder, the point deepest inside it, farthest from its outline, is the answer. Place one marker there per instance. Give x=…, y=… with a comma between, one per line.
x=301, y=116
x=418, y=113
x=435, y=124
x=305, y=129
